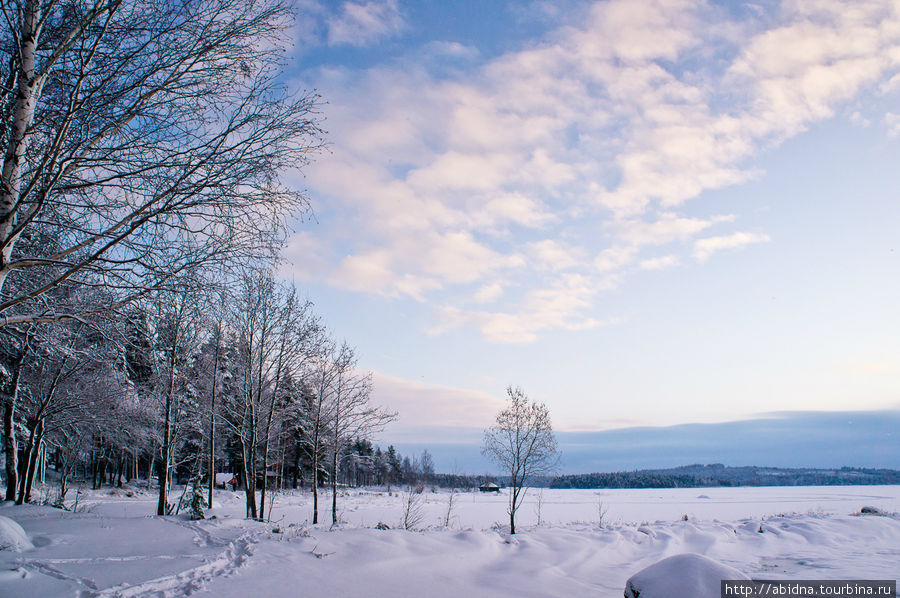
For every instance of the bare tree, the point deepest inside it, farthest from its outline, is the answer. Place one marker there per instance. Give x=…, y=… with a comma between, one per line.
x=352, y=416
x=413, y=509
x=140, y=138
x=276, y=335
x=178, y=334
x=522, y=443
x=315, y=420
x=295, y=337
x=451, y=503
x=61, y=360
x=15, y=348
x=254, y=318
x=210, y=363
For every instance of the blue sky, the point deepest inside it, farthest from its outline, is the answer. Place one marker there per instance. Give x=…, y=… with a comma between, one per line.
x=645, y=213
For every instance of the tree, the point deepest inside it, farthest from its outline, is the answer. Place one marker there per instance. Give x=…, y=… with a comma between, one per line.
x=522, y=443
x=14, y=349
x=426, y=463
x=138, y=139
x=210, y=363
x=351, y=414
x=256, y=322
x=315, y=419
x=64, y=361
x=395, y=466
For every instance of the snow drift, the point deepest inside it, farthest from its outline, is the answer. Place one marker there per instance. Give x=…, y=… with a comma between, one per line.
x=681, y=576
x=12, y=536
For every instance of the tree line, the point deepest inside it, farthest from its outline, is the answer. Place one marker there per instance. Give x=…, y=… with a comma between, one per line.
x=180, y=385
x=143, y=207
x=712, y=475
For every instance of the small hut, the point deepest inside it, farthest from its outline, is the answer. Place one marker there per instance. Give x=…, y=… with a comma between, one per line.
x=224, y=480
x=489, y=487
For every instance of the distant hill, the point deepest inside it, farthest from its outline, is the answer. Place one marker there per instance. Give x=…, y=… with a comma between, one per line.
x=802, y=440
x=700, y=476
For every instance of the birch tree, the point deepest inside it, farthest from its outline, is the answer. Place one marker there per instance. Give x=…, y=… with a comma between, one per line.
x=51, y=381
x=315, y=420
x=351, y=413
x=15, y=347
x=178, y=335
x=522, y=443
x=138, y=140
x=142, y=138
x=272, y=329
x=212, y=365
x=296, y=335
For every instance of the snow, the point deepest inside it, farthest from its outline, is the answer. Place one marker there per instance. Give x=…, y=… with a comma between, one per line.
x=681, y=576
x=115, y=546
x=12, y=536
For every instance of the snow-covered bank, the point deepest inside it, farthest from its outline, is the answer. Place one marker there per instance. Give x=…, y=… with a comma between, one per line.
x=116, y=548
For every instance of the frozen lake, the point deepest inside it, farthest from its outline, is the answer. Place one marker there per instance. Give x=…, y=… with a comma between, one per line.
x=477, y=510
x=628, y=506
x=115, y=547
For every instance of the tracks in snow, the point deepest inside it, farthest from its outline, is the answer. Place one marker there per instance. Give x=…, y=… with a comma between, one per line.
x=184, y=583
x=189, y=581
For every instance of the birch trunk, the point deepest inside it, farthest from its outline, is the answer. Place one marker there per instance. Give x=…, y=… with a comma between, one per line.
x=27, y=90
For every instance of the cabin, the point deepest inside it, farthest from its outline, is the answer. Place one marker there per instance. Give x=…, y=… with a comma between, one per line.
x=224, y=480
x=490, y=487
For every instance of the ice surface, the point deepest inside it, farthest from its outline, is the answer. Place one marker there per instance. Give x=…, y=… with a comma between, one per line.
x=681, y=576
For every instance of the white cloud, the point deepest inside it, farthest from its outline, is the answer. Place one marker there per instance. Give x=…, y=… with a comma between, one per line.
x=705, y=248
x=659, y=263
x=893, y=84
x=558, y=307
x=665, y=228
x=416, y=264
x=892, y=122
x=489, y=293
x=549, y=254
x=578, y=155
x=452, y=49
x=370, y=272
x=361, y=23
x=859, y=119
x=614, y=258
x=306, y=256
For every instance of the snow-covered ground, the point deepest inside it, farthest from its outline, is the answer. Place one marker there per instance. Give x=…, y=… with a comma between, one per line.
x=114, y=546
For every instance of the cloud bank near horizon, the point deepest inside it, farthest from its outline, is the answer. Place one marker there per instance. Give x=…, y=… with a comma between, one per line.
x=791, y=439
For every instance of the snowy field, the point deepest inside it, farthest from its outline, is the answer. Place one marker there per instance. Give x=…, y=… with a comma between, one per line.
x=114, y=546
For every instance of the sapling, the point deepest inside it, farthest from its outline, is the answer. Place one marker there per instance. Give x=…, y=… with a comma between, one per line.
x=538, y=506
x=601, y=512
x=448, y=515
x=412, y=509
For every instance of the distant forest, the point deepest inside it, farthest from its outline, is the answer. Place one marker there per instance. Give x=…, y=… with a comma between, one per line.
x=699, y=476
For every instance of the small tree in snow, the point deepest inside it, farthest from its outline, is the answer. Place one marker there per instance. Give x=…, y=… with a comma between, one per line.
x=413, y=511
x=522, y=443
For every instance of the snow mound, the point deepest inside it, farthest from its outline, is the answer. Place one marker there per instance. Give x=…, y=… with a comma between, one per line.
x=12, y=536
x=681, y=576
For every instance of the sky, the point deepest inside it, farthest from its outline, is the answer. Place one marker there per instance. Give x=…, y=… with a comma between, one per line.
x=642, y=212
